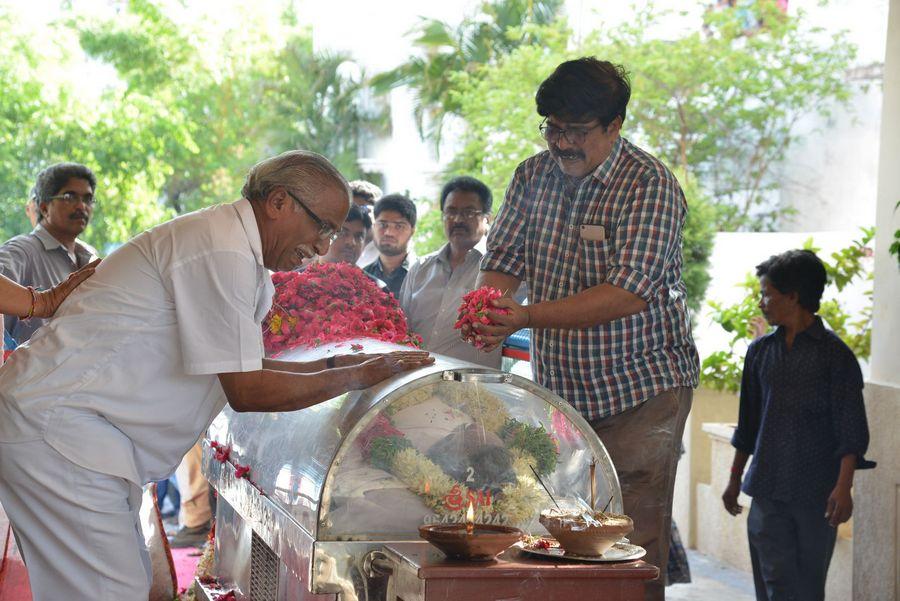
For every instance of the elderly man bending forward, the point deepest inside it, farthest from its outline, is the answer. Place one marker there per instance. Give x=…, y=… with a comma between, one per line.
x=140, y=359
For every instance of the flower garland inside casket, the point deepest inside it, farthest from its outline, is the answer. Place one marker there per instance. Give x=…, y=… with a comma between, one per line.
x=331, y=302
x=486, y=459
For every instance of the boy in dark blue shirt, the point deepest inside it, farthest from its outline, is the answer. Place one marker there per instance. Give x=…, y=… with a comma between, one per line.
x=803, y=420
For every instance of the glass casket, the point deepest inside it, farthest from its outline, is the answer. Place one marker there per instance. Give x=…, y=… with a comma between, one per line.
x=329, y=485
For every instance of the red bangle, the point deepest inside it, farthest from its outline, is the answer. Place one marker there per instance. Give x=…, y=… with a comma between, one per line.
x=737, y=471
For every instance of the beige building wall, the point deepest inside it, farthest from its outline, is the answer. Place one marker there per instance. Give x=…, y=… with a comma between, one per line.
x=876, y=559
x=694, y=468
x=724, y=537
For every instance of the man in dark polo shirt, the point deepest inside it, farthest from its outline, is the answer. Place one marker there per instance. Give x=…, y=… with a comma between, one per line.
x=64, y=195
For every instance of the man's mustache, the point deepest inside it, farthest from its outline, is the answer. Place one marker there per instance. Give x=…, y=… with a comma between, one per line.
x=568, y=154
x=79, y=215
x=460, y=228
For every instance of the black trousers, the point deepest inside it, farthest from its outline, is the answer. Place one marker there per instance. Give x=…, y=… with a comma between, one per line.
x=790, y=548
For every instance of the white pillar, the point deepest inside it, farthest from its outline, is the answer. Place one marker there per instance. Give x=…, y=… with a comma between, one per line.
x=876, y=537
x=885, y=340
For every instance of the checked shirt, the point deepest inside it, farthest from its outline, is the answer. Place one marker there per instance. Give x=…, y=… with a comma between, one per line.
x=634, y=211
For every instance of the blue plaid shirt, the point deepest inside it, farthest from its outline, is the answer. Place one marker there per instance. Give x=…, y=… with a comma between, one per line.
x=612, y=367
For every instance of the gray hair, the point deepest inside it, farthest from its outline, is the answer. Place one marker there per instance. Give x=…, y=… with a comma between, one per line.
x=366, y=190
x=306, y=172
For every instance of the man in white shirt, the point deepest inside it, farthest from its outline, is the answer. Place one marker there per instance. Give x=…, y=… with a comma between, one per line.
x=120, y=384
x=434, y=287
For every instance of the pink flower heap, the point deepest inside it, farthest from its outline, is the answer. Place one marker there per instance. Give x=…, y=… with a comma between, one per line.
x=475, y=306
x=331, y=302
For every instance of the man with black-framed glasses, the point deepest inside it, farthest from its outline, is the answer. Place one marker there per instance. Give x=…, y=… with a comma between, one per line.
x=63, y=199
x=594, y=226
x=436, y=283
x=113, y=392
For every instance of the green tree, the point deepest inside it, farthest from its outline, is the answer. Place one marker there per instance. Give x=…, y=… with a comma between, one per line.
x=317, y=107
x=697, y=240
x=723, y=102
x=722, y=369
x=21, y=104
x=718, y=103
x=42, y=123
x=182, y=124
x=203, y=118
x=497, y=28
x=261, y=94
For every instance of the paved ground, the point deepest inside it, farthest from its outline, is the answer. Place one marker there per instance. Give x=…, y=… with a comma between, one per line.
x=712, y=581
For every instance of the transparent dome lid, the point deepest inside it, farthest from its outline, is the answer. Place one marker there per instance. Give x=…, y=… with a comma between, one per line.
x=433, y=448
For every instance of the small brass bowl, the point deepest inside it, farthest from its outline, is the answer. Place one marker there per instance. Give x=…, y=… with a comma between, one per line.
x=578, y=537
x=484, y=544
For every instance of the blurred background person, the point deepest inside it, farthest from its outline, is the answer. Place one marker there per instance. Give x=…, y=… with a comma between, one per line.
x=43, y=258
x=365, y=195
x=348, y=246
x=434, y=287
x=395, y=224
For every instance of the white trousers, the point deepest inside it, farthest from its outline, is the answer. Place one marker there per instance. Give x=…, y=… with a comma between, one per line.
x=78, y=530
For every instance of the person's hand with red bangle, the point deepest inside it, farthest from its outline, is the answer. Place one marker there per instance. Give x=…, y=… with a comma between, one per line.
x=26, y=302
x=730, y=496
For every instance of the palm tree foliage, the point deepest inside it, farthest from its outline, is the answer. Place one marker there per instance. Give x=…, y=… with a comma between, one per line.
x=498, y=28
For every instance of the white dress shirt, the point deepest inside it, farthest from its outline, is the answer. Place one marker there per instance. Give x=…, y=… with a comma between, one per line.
x=123, y=379
x=430, y=297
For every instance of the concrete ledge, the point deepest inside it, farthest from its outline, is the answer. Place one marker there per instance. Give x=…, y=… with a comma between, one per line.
x=719, y=431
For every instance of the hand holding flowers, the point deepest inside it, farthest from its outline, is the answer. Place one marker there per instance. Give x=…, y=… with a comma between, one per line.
x=487, y=317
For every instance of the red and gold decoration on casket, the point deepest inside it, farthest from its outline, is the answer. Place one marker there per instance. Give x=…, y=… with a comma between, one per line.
x=331, y=302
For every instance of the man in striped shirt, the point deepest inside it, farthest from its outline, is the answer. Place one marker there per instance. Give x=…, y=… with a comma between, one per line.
x=593, y=225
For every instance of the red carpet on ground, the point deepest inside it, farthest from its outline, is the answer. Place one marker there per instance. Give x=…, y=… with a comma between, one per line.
x=186, y=561
x=13, y=575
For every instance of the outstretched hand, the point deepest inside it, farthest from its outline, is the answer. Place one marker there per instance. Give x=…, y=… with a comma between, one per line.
x=47, y=302
x=348, y=359
x=381, y=367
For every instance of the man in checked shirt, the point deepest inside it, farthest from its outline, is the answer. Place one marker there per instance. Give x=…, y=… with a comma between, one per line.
x=593, y=225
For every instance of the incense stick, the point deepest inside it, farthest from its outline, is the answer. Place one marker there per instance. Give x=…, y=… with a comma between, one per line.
x=607, y=504
x=593, y=470
x=533, y=471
